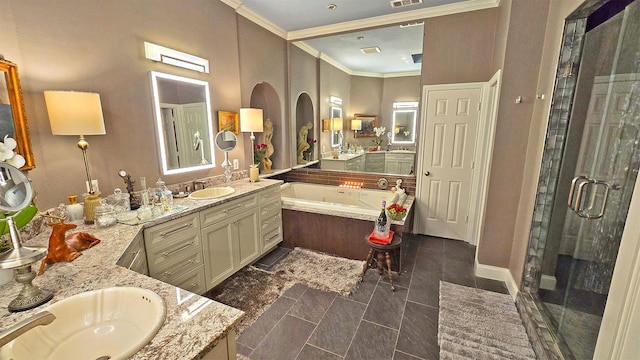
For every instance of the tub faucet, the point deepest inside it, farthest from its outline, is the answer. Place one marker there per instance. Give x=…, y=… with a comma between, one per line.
x=195, y=184
x=40, y=319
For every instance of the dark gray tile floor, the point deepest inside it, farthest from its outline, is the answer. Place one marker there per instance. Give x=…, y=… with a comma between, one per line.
x=374, y=322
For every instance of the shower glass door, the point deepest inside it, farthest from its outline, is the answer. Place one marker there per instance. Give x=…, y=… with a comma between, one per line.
x=595, y=181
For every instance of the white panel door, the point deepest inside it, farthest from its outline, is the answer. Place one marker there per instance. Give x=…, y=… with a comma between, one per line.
x=451, y=121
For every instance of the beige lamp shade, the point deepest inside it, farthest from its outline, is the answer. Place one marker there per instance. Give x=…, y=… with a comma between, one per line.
x=251, y=120
x=356, y=124
x=336, y=124
x=74, y=113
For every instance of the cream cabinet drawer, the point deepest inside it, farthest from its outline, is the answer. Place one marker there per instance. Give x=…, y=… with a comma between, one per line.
x=271, y=237
x=135, y=258
x=270, y=194
x=271, y=208
x=172, y=234
x=168, y=267
x=224, y=211
x=271, y=221
x=192, y=280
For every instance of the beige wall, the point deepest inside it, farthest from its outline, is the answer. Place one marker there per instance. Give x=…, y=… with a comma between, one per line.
x=98, y=46
x=303, y=78
x=458, y=48
x=519, y=77
x=336, y=82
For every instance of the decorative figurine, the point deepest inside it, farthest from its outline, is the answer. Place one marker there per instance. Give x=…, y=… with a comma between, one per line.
x=65, y=249
x=268, y=135
x=302, y=141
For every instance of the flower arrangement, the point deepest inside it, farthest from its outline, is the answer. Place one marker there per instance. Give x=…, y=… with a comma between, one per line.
x=259, y=152
x=7, y=155
x=309, y=152
x=379, y=131
x=396, y=211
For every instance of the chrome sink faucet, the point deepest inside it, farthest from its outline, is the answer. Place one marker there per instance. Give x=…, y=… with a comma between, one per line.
x=40, y=319
x=195, y=184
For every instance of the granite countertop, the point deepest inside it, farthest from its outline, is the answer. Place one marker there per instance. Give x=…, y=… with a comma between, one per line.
x=343, y=157
x=194, y=324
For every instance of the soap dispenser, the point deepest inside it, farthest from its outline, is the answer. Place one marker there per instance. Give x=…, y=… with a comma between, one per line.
x=74, y=211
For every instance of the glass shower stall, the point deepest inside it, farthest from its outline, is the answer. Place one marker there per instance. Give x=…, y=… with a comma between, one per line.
x=589, y=168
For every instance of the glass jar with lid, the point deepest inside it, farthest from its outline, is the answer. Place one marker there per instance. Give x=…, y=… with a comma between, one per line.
x=105, y=215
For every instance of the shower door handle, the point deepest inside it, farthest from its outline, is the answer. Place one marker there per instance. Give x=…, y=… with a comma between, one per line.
x=577, y=205
x=573, y=189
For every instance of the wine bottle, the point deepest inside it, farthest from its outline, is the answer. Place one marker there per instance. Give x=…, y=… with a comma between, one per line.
x=382, y=223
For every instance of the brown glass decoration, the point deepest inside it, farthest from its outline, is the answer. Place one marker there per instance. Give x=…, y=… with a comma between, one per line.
x=66, y=248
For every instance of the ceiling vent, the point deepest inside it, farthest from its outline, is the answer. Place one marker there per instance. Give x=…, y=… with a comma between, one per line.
x=402, y=3
x=370, y=50
x=417, y=58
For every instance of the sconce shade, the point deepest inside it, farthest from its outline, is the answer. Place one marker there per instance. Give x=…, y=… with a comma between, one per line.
x=356, y=124
x=251, y=120
x=74, y=113
x=336, y=124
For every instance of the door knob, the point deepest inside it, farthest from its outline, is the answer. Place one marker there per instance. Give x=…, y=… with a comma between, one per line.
x=427, y=173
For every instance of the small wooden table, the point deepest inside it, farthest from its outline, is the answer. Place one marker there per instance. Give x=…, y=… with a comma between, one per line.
x=381, y=253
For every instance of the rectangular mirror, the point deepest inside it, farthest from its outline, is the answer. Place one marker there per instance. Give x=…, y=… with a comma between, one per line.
x=404, y=127
x=336, y=125
x=183, y=122
x=13, y=122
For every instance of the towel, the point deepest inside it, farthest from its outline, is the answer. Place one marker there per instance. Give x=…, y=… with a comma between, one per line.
x=383, y=241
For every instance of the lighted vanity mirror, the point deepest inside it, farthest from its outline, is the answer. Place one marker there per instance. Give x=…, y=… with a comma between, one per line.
x=183, y=121
x=336, y=126
x=404, y=127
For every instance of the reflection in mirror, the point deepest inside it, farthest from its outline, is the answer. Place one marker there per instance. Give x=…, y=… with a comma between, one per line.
x=404, y=126
x=183, y=122
x=368, y=84
x=336, y=127
x=13, y=122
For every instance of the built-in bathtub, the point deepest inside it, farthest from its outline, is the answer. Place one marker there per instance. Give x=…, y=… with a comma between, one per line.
x=334, y=219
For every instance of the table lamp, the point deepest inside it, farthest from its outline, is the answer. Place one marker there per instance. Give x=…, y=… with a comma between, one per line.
x=80, y=114
x=251, y=121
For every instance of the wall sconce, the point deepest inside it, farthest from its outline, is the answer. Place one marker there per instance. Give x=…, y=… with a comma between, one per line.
x=335, y=100
x=77, y=113
x=336, y=124
x=251, y=120
x=176, y=58
x=356, y=124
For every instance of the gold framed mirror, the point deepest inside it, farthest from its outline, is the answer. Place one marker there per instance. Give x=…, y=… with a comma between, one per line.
x=13, y=121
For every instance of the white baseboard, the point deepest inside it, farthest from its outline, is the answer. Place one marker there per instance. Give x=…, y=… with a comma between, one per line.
x=548, y=282
x=497, y=273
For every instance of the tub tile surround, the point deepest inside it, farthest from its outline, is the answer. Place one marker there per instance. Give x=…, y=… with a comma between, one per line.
x=194, y=324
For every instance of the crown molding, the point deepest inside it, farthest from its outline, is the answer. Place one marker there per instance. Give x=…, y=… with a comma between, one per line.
x=307, y=48
x=471, y=5
x=336, y=64
x=466, y=6
x=255, y=18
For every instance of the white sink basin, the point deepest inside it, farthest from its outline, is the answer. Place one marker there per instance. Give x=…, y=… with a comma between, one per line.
x=111, y=323
x=211, y=193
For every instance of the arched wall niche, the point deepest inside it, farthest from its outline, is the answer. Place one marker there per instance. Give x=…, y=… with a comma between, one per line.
x=265, y=97
x=304, y=114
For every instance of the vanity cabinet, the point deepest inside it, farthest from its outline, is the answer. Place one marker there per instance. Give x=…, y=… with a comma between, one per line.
x=198, y=251
x=375, y=162
x=135, y=257
x=230, y=243
x=270, y=218
x=174, y=251
x=398, y=163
